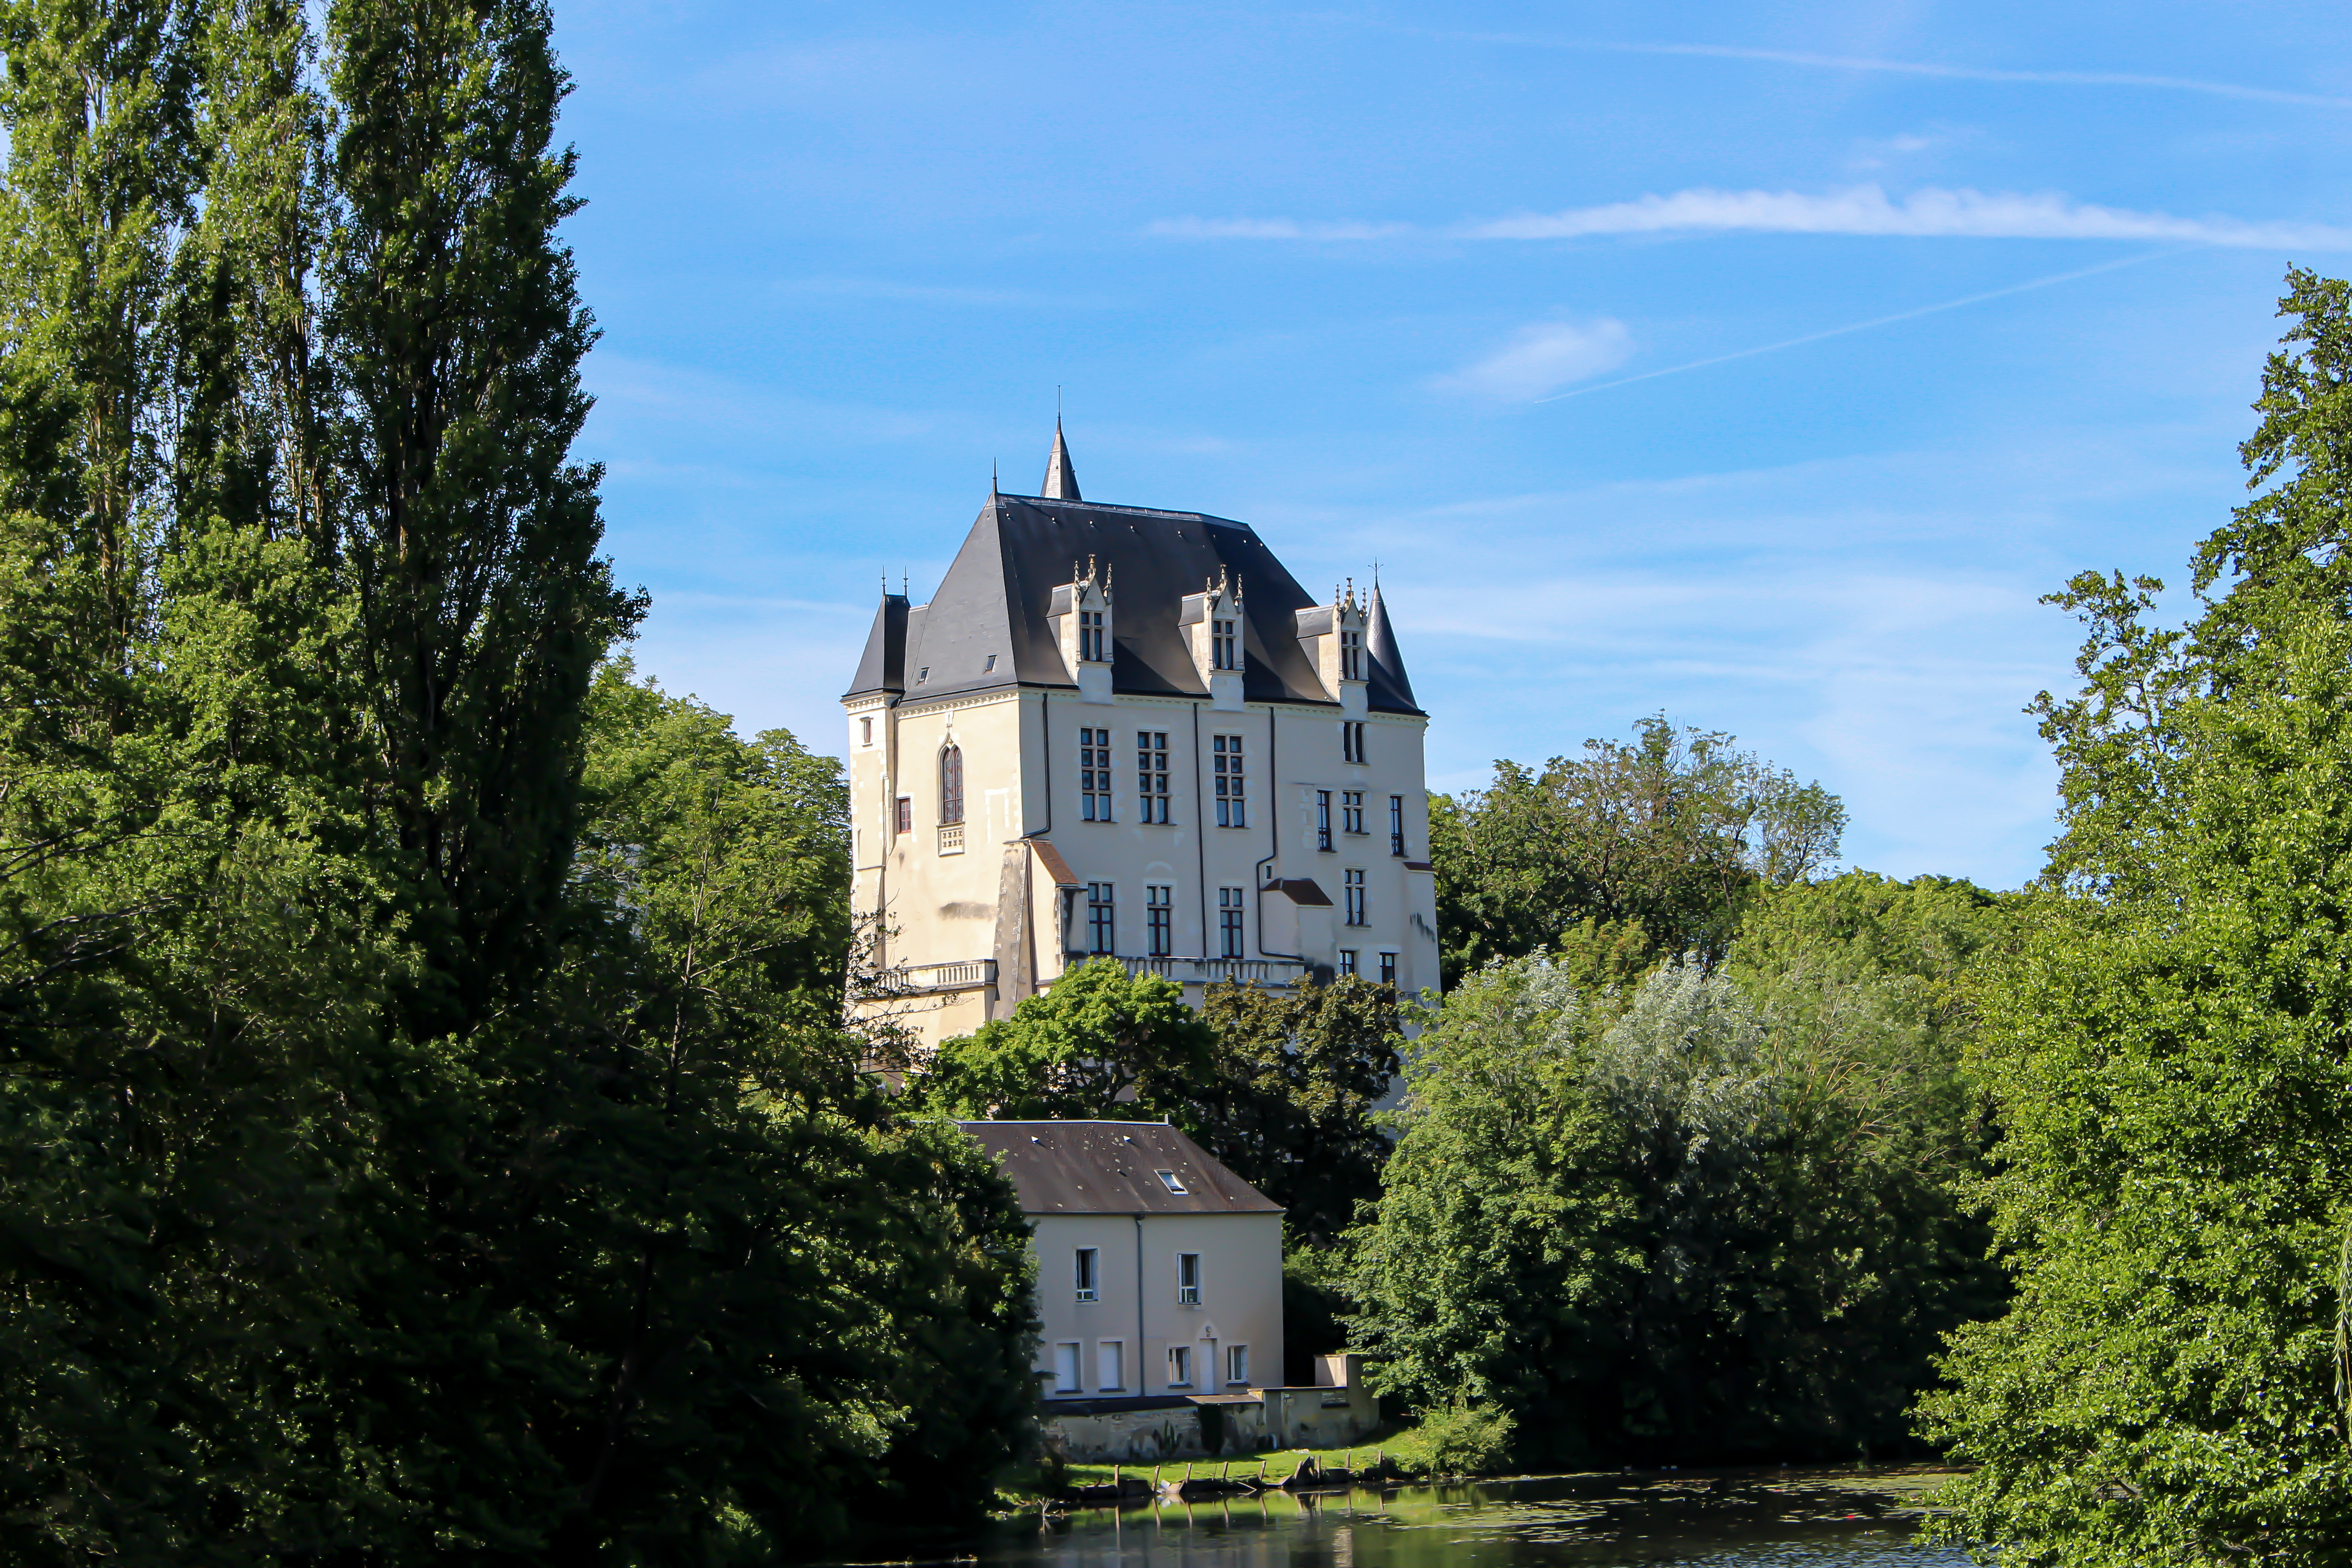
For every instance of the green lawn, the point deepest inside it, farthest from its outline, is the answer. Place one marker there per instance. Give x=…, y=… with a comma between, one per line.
x=1400, y=1447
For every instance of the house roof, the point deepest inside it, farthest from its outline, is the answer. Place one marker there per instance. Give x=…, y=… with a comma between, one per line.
x=1113, y=1167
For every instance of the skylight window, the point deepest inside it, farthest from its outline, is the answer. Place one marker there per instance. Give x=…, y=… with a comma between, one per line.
x=1168, y=1179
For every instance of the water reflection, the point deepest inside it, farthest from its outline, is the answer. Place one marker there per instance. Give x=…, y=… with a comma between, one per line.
x=1778, y=1519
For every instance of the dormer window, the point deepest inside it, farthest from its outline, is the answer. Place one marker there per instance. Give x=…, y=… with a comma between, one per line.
x=1351, y=656
x=1091, y=641
x=1225, y=648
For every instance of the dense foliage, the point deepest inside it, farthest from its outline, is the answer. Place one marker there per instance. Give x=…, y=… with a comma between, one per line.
x=2168, y=1052
x=426, y=1130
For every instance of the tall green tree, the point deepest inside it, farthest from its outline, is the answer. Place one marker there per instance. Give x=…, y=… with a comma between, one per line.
x=1099, y=1044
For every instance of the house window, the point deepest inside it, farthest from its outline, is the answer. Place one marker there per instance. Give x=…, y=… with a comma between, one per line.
x=990, y=667
x=1354, y=892
x=1102, y=935
x=1065, y=1368
x=866, y=731
x=1351, y=740
x=1171, y=1181
x=1151, y=774
x=1229, y=921
x=922, y=675
x=906, y=813
x=1352, y=810
x=1347, y=960
x=1090, y=637
x=1160, y=916
x=1226, y=765
x=1322, y=819
x=1237, y=1366
x=1094, y=774
x=1224, y=648
x=1388, y=969
x=1351, y=656
x=1110, y=1366
x=951, y=784
x=1086, y=1272
x=1396, y=825
x=1188, y=1279
x=1180, y=1366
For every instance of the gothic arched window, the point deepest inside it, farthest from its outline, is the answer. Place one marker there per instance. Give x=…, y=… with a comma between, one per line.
x=951, y=784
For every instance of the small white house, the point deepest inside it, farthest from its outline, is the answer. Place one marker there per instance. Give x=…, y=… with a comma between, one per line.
x=1158, y=1271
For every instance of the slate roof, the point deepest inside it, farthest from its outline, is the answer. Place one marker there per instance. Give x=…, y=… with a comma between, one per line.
x=993, y=600
x=1112, y=1167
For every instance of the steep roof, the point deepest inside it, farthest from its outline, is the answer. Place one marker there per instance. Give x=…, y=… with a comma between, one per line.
x=1113, y=1167
x=883, y=666
x=1379, y=642
x=1061, y=479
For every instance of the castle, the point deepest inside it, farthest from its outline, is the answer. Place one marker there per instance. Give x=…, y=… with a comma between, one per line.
x=1118, y=730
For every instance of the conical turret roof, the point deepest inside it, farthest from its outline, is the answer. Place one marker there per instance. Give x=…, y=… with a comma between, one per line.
x=1061, y=479
x=1388, y=664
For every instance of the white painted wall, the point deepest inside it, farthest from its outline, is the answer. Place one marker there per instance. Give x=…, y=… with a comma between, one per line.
x=1241, y=1298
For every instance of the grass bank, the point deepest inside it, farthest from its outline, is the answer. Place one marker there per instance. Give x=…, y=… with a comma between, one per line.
x=1412, y=1449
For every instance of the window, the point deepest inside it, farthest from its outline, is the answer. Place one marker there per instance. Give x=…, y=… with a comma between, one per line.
x=1347, y=960
x=1351, y=656
x=1102, y=934
x=1229, y=921
x=1110, y=1366
x=1188, y=1279
x=906, y=813
x=1352, y=810
x=990, y=667
x=1090, y=637
x=1224, y=648
x=1322, y=819
x=1396, y=825
x=1151, y=774
x=1086, y=1272
x=1159, y=916
x=1388, y=969
x=1225, y=759
x=1354, y=892
x=1351, y=740
x=1237, y=1364
x=1065, y=1368
x=951, y=784
x=1094, y=774
x=1180, y=1366
x=922, y=675
x=1171, y=1181
x=866, y=731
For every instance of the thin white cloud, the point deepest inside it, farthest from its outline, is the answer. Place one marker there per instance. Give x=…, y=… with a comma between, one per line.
x=1543, y=358
x=1928, y=212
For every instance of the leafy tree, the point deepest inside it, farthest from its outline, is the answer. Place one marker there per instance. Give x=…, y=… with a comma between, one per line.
x=2166, y=1053
x=1099, y=1044
x=1671, y=834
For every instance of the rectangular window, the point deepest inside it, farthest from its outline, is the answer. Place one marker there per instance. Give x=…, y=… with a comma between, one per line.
x=1159, y=918
x=1065, y=1368
x=1094, y=774
x=1090, y=637
x=1102, y=926
x=1322, y=819
x=906, y=813
x=1085, y=1272
x=1152, y=775
x=1351, y=740
x=1351, y=656
x=1388, y=969
x=866, y=731
x=1180, y=1366
x=1110, y=1366
x=1225, y=648
x=1355, y=890
x=1188, y=1279
x=1237, y=1366
x=1347, y=960
x=1396, y=825
x=1226, y=766
x=1352, y=810
x=1229, y=921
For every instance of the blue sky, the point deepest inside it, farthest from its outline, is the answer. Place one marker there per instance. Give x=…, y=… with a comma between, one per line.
x=1762, y=365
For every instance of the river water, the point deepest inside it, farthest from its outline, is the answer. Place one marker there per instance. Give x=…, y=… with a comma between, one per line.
x=1773, y=1519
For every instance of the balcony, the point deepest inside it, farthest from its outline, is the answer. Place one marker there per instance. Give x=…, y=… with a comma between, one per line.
x=1209, y=970
x=931, y=979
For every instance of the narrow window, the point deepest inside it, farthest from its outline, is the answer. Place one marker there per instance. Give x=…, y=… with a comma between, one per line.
x=1090, y=637
x=1352, y=810
x=1388, y=969
x=1347, y=960
x=1351, y=740
x=1396, y=825
x=1188, y=1279
x=866, y=731
x=1171, y=1181
x=1351, y=656
x=1224, y=648
x=1237, y=1366
x=1101, y=925
x=1225, y=760
x=1084, y=1272
x=1065, y=1368
x=1355, y=887
x=1110, y=1366
x=1229, y=921
x=1151, y=774
x=951, y=784
x=1094, y=774
x=922, y=675
x=1322, y=819
x=990, y=667
x=1160, y=915
x=1180, y=1366
x=906, y=813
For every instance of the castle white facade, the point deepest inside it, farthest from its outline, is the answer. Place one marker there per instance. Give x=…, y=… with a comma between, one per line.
x=1124, y=732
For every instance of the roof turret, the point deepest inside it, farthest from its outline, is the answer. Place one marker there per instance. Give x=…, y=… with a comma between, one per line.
x=1388, y=664
x=1061, y=479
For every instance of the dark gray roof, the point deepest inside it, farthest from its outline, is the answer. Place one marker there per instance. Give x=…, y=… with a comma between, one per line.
x=1379, y=642
x=993, y=600
x=882, y=666
x=1112, y=1167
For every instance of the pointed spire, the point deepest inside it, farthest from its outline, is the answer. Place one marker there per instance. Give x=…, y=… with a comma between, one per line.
x=1379, y=641
x=1061, y=479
